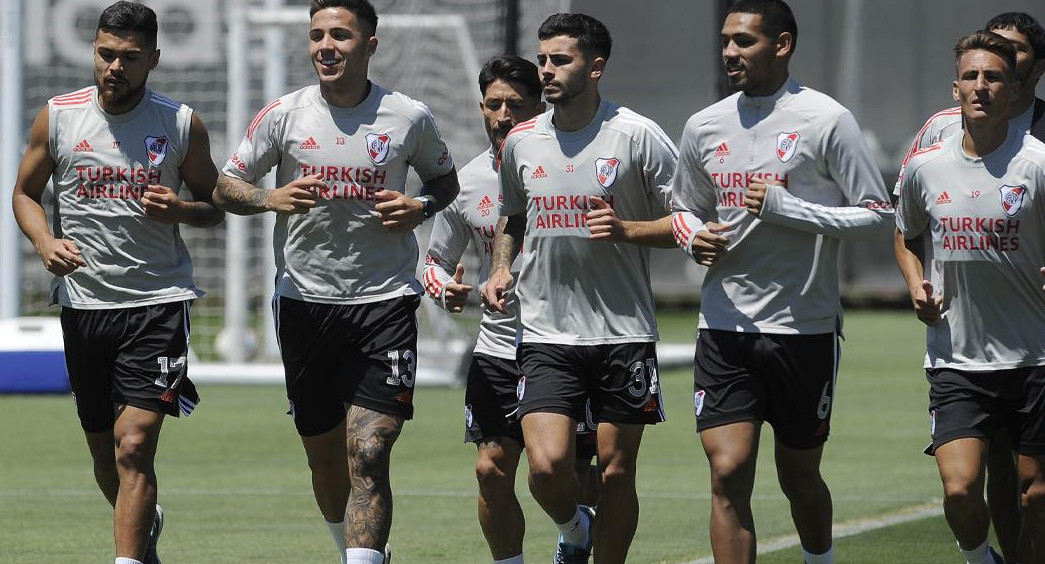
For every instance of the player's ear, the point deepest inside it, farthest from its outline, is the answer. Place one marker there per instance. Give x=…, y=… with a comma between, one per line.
x=155, y=59
x=371, y=46
x=785, y=44
x=597, y=66
x=954, y=92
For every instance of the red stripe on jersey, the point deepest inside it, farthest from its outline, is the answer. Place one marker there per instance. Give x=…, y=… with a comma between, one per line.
x=524, y=126
x=928, y=149
x=72, y=100
x=681, y=231
x=928, y=123
x=257, y=119
x=432, y=283
x=78, y=94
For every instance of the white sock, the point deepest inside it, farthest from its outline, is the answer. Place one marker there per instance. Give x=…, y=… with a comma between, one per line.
x=575, y=531
x=363, y=556
x=122, y=560
x=825, y=558
x=977, y=555
x=513, y=560
x=337, y=530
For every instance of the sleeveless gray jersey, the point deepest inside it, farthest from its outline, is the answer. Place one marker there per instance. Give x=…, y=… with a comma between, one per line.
x=780, y=274
x=473, y=217
x=102, y=165
x=572, y=290
x=988, y=239
x=338, y=252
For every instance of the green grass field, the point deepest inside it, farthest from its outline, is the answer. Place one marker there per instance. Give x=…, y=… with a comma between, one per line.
x=235, y=488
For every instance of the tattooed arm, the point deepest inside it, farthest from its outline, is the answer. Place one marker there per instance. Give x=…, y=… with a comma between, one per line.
x=243, y=198
x=506, y=245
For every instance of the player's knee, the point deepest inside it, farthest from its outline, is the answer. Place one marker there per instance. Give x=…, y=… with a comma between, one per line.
x=961, y=493
x=369, y=458
x=1034, y=500
x=491, y=476
x=133, y=452
x=731, y=476
x=545, y=472
x=618, y=475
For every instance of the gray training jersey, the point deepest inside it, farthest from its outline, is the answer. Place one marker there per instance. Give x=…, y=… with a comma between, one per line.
x=338, y=252
x=780, y=274
x=944, y=124
x=102, y=166
x=472, y=218
x=573, y=290
x=988, y=242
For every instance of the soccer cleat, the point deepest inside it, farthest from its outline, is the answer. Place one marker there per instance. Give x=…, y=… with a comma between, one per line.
x=569, y=554
x=154, y=535
x=388, y=554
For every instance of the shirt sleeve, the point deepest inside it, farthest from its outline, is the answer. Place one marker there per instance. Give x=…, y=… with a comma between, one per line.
x=911, y=215
x=850, y=164
x=513, y=194
x=259, y=150
x=923, y=139
x=659, y=158
x=430, y=157
x=693, y=194
x=450, y=236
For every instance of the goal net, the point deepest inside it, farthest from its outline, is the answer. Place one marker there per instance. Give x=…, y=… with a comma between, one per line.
x=430, y=50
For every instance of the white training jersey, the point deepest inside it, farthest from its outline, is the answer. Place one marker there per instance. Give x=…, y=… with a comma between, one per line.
x=102, y=166
x=338, y=252
x=988, y=242
x=944, y=124
x=780, y=273
x=472, y=218
x=573, y=290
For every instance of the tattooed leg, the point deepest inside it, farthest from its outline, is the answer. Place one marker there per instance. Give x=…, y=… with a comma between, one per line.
x=370, y=439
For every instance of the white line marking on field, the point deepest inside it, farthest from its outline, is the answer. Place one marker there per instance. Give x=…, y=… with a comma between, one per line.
x=851, y=528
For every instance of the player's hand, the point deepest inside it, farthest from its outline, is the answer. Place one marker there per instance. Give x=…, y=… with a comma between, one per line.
x=60, y=256
x=754, y=197
x=926, y=304
x=604, y=223
x=455, y=294
x=495, y=291
x=399, y=212
x=298, y=196
x=162, y=204
x=709, y=245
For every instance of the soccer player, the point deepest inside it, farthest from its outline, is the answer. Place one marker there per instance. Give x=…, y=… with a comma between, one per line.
x=511, y=92
x=346, y=294
x=1025, y=114
x=586, y=308
x=770, y=180
x=976, y=196
x=118, y=153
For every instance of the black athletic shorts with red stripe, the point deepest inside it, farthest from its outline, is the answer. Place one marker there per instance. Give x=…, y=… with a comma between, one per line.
x=136, y=356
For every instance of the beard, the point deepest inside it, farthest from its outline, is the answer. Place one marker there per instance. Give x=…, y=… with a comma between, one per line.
x=115, y=97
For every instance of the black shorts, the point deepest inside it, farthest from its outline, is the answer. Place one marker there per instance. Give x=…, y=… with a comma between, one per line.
x=491, y=399
x=587, y=435
x=621, y=380
x=787, y=381
x=135, y=356
x=980, y=404
x=362, y=354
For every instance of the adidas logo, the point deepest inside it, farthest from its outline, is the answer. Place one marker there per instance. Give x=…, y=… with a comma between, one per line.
x=722, y=150
x=309, y=143
x=83, y=147
x=944, y=198
x=539, y=173
x=485, y=205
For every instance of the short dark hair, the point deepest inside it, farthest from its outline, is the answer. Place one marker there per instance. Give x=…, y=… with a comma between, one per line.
x=1023, y=23
x=511, y=68
x=987, y=41
x=777, y=17
x=592, y=37
x=126, y=16
x=362, y=9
